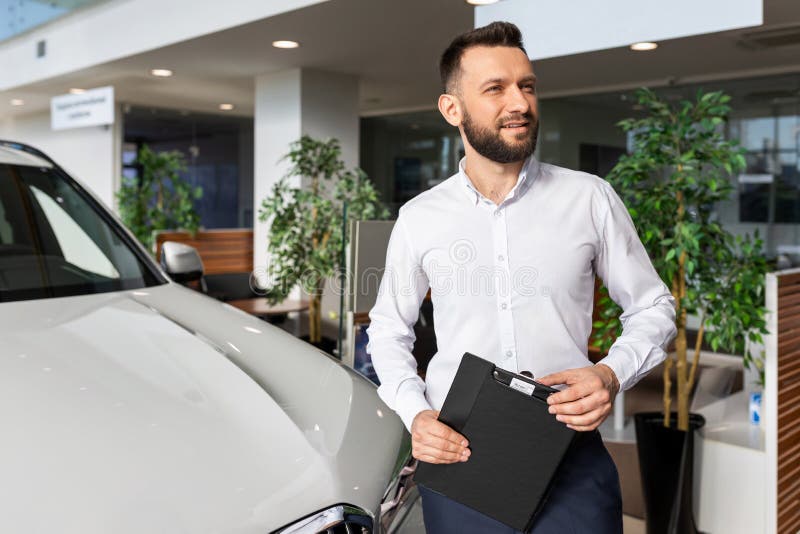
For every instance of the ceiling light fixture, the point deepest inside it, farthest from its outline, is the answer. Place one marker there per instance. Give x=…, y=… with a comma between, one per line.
x=226, y=107
x=641, y=47
x=285, y=44
x=482, y=2
x=77, y=91
x=17, y=102
x=161, y=73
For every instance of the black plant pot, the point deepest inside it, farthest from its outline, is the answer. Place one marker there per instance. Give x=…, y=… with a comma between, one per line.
x=666, y=461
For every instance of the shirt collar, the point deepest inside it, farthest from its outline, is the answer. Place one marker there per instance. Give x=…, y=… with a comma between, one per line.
x=528, y=173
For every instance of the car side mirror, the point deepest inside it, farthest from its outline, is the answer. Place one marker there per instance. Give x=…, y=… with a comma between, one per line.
x=181, y=262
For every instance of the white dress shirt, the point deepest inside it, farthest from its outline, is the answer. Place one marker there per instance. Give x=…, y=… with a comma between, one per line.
x=514, y=283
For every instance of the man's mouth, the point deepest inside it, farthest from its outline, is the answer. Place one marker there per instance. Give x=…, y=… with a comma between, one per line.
x=512, y=125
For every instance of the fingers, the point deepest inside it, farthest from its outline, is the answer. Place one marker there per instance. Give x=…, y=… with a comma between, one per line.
x=555, y=378
x=572, y=393
x=585, y=381
x=437, y=456
x=444, y=432
x=442, y=444
x=588, y=421
x=434, y=442
x=582, y=405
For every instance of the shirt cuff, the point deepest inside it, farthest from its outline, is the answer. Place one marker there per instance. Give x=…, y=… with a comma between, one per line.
x=409, y=401
x=620, y=363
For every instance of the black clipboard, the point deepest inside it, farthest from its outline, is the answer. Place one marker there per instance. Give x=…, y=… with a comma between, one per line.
x=516, y=444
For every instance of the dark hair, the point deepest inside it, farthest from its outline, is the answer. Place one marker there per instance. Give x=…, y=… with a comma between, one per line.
x=494, y=34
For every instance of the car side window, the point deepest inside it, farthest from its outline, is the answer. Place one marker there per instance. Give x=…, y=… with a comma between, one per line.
x=76, y=246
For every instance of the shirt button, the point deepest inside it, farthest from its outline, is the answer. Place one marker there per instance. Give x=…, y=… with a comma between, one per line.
x=504, y=306
x=498, y=213
x=501, y=258
x=509, y=353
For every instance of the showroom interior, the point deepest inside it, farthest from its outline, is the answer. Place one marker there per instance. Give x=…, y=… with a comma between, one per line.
x=230, y=87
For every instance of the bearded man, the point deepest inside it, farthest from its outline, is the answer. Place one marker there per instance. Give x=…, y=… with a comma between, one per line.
x=510, y=248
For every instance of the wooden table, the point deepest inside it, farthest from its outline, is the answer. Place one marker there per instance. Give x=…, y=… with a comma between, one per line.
x=261, y=308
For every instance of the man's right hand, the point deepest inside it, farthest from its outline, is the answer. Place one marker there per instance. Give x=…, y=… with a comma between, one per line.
x=434, y=442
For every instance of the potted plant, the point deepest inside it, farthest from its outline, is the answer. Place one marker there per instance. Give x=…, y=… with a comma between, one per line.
x=158, y=199
x=671, y=182
x=307, y=224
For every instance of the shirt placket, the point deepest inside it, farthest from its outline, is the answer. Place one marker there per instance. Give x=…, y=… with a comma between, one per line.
x=508, y=346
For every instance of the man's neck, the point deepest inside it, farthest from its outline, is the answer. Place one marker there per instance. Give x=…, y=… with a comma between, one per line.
x=492, y=179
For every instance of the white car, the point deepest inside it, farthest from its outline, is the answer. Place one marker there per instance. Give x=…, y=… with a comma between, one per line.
x=131, y=404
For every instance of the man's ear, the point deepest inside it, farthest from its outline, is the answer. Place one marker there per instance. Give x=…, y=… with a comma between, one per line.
x=450, y=108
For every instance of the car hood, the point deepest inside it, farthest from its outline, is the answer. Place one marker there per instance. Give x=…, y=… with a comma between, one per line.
x=164, y=411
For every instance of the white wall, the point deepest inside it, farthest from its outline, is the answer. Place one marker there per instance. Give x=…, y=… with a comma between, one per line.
x=121, y=28
x=91, y=154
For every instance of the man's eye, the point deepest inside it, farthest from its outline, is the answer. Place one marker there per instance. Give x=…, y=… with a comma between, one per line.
x=493, y=89
x=530, y=88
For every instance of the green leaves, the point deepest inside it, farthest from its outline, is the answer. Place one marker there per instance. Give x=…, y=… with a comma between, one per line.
x=680, y=168
x=305, y=239
x=159, y=199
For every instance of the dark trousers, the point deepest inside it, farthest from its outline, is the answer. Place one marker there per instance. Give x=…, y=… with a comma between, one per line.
x=585, y=499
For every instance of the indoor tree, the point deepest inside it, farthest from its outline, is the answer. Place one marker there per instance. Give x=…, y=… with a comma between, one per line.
x=308, y=223
x=158, y=198
x=677, y=172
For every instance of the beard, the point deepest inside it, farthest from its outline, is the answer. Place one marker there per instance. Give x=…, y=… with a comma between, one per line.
x=491, y=145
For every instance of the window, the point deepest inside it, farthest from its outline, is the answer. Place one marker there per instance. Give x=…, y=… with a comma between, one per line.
x=55, y=241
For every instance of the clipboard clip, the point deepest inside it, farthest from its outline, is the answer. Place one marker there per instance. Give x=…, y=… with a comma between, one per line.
x=523, y=384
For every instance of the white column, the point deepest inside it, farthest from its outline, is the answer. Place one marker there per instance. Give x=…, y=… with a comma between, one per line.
x=289, y=104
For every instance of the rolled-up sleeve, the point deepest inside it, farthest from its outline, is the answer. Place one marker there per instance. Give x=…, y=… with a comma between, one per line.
x=648, y=318
x=391, y=331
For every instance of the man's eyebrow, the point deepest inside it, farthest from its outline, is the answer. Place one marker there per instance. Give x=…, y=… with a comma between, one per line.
x=492, y=81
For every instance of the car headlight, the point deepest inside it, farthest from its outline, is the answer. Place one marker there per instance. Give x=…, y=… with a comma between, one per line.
x=338, y=519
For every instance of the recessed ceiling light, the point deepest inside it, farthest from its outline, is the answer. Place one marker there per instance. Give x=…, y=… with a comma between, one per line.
x=226, y=107
x=17, y=102
x=482, y=2
x=640, y=47
x=77, y=91
x=285, y=44
x=161, y=73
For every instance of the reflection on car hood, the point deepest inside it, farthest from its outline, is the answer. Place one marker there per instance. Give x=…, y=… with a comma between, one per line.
x=121, y=415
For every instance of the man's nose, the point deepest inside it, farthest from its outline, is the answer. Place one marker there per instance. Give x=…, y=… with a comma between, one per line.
x=517, y=101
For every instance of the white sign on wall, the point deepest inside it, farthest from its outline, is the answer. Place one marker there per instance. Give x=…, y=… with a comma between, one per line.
x=92, y=108
x=552, y=29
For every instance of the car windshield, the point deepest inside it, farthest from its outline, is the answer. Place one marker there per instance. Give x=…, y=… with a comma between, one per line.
x=55, y=241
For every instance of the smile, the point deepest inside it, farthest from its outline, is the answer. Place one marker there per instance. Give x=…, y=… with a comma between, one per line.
x=514, y=125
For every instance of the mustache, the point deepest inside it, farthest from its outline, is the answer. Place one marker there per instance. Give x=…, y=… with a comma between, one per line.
x=528, y=117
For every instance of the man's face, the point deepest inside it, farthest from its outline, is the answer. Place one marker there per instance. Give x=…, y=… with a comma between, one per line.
x=498, y=94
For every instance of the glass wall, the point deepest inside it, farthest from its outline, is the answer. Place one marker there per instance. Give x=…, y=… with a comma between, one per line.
x=765, y=119
x=408, y=153
x=219, y=156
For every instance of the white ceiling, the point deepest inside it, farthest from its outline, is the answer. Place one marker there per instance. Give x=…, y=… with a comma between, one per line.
x=393, y=46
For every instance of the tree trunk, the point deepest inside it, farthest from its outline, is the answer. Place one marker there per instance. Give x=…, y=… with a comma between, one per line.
x=314, y=320
x=667, y=390
x=315, y=313
x=683, y=382
x=680, y=340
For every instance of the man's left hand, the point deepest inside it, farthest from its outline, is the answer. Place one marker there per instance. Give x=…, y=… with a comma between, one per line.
x=586, y=403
